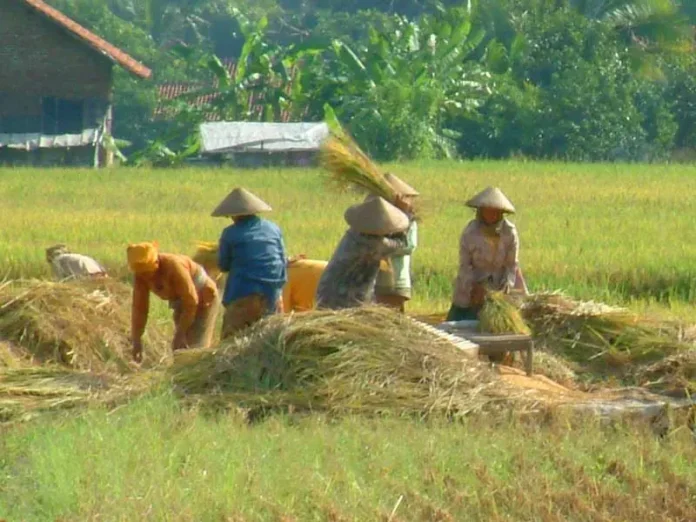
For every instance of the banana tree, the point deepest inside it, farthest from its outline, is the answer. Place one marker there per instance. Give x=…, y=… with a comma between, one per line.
x=399, y=90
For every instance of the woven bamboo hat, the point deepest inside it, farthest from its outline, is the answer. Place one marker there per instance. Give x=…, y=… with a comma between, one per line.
x=376, y=217
x=492, y=197
x=240, y=202
x=400, y=186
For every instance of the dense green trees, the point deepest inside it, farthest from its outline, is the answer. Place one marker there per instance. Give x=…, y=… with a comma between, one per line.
x=573, y=79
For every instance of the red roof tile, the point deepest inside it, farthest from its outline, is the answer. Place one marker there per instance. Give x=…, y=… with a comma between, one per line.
x=91, y=39
x=170, y=91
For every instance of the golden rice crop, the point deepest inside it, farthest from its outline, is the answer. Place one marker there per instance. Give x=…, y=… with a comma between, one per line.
x=500, y=316
x=364, y=360
x=351, y=167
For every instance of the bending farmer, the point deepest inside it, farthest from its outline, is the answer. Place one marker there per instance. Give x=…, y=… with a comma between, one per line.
x=253, y=252
x=488, y=255
x=66, y=265
x=191, y=293
x=393, y=287
x=377, y=231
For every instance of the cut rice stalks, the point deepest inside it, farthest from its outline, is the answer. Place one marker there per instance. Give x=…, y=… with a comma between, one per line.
x=500, y=316
x=363, y=360
x=83, y=324
x=597, y=336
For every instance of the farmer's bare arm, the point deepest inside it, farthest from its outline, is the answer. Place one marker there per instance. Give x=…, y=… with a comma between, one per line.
x=140, y=310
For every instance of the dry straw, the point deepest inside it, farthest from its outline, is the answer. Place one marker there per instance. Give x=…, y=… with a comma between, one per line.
x=600, y=336
x=362, y=360
x=81, y=324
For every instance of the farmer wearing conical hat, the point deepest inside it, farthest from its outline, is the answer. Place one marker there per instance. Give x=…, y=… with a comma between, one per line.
x=488, y=255
x=252, y=251
x=377, y=231
x=68, y=265
x=191, y=293
x=393, y=286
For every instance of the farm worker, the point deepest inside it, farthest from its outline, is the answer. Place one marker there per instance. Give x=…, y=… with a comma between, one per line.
x=303, y=279
x=67, y=265
x=299, y=290
x=192, y=295
x=393, y=287
x=252, y=251
x=377, y=231
x=488, y=255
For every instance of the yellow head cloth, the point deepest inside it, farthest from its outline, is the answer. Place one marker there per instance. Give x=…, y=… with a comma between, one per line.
x=142, y=257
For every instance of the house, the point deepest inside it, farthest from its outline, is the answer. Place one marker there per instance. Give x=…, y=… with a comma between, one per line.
x=55, y=87
x=256, y=144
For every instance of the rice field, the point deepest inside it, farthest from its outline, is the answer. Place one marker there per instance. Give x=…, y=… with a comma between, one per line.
x=616, y=233
x=613, y=233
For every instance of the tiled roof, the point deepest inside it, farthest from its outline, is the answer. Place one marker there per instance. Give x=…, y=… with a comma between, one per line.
x=170, y=91
x=91, y=39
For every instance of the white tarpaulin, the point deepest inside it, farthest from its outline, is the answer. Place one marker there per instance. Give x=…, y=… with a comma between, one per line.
x=242, y=136
x=33, y=141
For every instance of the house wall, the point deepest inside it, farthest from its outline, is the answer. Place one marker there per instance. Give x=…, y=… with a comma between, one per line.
x=39, y=59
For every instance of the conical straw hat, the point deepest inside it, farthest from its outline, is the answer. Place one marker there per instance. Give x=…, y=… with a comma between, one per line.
x=376, y=217
x=400, y=186
x=240, y=202
x=492, y=197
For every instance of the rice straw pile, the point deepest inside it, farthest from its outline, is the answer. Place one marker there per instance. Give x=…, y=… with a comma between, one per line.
x=674, y=375
x=596, y=335
x=84, y=324
x=31, y=391
x=500, y=316
x=362, y=360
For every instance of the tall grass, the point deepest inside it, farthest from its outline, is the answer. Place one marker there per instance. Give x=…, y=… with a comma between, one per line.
x=154, y=461
x=611, y=232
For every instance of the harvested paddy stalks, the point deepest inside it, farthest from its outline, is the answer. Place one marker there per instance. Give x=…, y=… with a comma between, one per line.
x=350, y=166
x=598, y=336
x=361, y=360
x=674, y=375
x=84, y=324
x=207, y=256
x=500, y=316
x=27, y=392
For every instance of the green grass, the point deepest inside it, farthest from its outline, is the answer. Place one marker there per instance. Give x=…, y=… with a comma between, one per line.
x=619, y=233
x=155, y=461
x=614, y=233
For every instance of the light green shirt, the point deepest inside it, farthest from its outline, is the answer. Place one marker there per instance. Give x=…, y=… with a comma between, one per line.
x=401, y=264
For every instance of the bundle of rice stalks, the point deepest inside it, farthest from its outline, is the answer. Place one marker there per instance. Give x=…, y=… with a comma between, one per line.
x=207, y=256
x=363, y=360
x=597, y=335
x=84, y=324
x=500, y=316
x=11, y=356
x=351, y=167
x=28, y=392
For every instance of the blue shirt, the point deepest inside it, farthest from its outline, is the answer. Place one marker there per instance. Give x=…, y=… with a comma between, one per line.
x=253, y=252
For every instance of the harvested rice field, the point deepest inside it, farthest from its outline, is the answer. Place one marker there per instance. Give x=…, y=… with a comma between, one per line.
x=295, y=419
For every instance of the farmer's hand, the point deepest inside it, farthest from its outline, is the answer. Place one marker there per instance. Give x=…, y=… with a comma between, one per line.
x=478, y=295
x=402, y=203
x=137, y=350
x=179, y=341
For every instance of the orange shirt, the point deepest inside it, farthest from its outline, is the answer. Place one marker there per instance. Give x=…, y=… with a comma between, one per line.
x=300, y=290
x=173, y=281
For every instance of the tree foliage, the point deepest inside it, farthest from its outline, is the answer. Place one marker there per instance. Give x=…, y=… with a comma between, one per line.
x=573, y=79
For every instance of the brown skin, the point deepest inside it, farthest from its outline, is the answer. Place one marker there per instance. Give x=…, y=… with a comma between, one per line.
x=138, y=343
x=393, y=301
x=491, y=216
